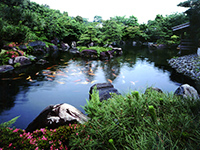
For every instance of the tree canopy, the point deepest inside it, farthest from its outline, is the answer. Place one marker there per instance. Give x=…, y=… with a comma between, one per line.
x=193, y=13
x=23, y=21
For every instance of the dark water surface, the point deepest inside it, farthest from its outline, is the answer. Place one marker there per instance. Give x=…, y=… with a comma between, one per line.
x=68, y=80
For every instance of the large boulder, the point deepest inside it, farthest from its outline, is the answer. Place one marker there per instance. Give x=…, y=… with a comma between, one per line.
x=38, y=46
x=89, y=53
x=23, y=47
x=54, y=116
x=118, y=51
x=74, y=51
x=6, y=68
x=187, y=91
x=53, y=48
x=65, y=46
x=20, y=59
x=198, y=51
x=151, y=89
x=104, y=90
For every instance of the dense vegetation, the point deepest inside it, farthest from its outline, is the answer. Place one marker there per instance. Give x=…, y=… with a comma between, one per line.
x=193, y=13
x=135, y=121
x=24, y=21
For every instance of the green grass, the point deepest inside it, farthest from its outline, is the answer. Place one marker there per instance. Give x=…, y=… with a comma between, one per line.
x=140, y=121
x=134, y=121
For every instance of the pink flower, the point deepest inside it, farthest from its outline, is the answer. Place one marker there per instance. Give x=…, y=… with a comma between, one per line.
x=51, y=148
x=29, y=137
x=1, y=148
x=21, y=135
x=10, y=145
x=43, y=138
x=42, y=129
x=36, y=148
x=76, y=133
x=59, y=142
x=16, y=130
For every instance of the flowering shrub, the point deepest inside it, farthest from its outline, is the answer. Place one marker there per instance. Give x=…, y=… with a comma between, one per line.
x=39, y=139
x=12, y=44
x=6, y=55
x=12, y=54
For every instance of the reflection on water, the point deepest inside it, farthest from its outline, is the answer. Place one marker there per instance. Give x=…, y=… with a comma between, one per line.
x=68, y=80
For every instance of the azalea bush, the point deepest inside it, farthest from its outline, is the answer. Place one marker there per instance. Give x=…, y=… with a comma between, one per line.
x=39, y=139
x=140, y=121
x=5, y=55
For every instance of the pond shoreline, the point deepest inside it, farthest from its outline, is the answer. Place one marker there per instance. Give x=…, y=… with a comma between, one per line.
x=188, y=65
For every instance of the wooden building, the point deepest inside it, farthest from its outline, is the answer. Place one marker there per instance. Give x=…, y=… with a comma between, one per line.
x=186, y=43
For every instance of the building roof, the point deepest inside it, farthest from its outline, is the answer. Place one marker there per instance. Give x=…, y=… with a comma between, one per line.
x=181, y=26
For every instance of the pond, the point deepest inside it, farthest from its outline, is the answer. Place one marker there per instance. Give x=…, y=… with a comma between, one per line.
x=68, y=80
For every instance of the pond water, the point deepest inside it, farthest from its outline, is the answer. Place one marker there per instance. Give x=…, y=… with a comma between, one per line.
x=68, y=80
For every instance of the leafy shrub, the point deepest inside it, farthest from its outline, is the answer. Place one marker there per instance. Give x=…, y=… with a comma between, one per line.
x=97, y=48
x=5, y=55
x=17, y=65
x=39, y=139
x=140, y=121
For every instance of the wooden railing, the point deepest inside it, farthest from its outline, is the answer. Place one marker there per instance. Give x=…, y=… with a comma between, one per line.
x=181, y=26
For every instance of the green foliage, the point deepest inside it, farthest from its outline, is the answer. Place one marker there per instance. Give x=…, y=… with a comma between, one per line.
x=39, y=139
x=131, y=21
x=193, y=13
x=91, y=35
x=98, y=19
x=6, y=55
x=97, y=48
x=111, y=32
x=151, y=121
x=9, y=123
x=93, y=103
x=160, y=29
x=152, y=112
x=17, y=65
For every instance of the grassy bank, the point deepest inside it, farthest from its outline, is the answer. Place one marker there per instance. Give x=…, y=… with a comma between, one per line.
x=97, y=48
x=135, y=121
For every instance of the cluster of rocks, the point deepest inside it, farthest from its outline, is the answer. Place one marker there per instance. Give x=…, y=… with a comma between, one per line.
x=39, y=50
x=153, y=46
x=57, y=115
x=90, y=53
x=189, y=65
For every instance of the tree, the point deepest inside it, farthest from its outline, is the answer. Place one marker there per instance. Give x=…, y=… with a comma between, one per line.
x=193, y=12
x=91, y=35
x=160, y=29
x=97, y=19
x=11, y=14
x=79, y=19
x=111, y=32
x=135, y=34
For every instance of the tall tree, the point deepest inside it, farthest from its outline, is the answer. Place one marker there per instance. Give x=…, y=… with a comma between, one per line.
x=97, y=19
x=90, y=35
x=111, y=32
x=193, y=12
